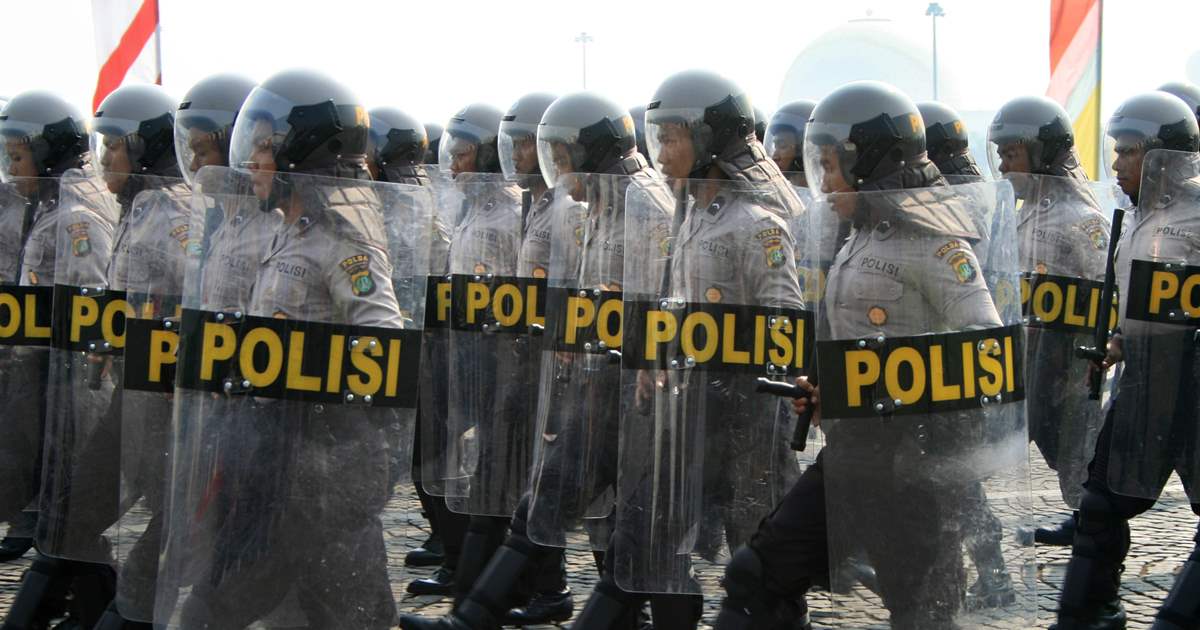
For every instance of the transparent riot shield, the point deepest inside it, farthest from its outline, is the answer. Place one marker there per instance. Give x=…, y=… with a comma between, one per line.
x=289, y=382
x=711, y=304
x=922, y=403
x=492, y=310
x=434, y=399
x=27, y=246
x=150, y=249
x=78, y=498
x=575, y=464
x=1152, y=424
x=1062, y=242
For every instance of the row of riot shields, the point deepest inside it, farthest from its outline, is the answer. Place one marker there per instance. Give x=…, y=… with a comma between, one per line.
x=281, y=322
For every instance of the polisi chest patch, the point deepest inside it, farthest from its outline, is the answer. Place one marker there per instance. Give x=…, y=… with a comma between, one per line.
x=771, y=240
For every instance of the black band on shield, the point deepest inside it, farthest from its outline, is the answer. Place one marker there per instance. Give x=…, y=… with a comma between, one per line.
x=296, y=360
x=870, y=377
x=25, y=315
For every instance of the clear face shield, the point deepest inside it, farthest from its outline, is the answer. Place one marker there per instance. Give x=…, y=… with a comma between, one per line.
x=257, y=136
x=828, y=153
x=517, y=144
x=1008, y=148
x=117, y=150
x=201, y=138
x=1126, y=141
x=17, y=164
x=558, y=153
x=670, y=140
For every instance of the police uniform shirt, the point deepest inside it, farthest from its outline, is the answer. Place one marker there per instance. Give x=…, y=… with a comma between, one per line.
x=152, y=243
x=896, y=279
x=534, y=257
x=1062, y=236
x=235, y=248
x=86, y=226
x=329, y=265
x=488, y=237
x=734, y=251
x=1166, y=228
x=12, y=221
x=38, y=257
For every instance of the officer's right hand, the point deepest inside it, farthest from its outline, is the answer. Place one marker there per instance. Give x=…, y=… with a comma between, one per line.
x=810, y=404
x=1116, y=351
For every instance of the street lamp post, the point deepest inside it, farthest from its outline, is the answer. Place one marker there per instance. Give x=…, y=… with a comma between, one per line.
x=934, y=11
x=583, y=40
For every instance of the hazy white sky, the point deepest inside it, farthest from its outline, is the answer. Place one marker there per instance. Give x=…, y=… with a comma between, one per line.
x=431, y=58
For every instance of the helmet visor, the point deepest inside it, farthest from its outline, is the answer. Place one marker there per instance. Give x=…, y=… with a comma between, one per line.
x=518, y=150
x=558, y=152
x=202, y=139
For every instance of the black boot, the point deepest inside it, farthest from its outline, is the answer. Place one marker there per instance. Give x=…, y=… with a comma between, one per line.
x=429, y=554
x=749, y=606
x=1061, y=536
x=1181, y=610
x=40, y=597
x=543, y=608
x=19, y=540
x=440, y=583
x=606, y=607
x=1089, y=599
x=113, y=620
x=485, y=605
x=484, y=536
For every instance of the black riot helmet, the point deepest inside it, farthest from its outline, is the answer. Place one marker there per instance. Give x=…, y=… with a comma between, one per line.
x=141, y=119
x=945, y=133
x=638, y=114
x=45, y=129
x=784, y=141
x=433, y=133
x=397, y=139
x=471, y=132
x=204, y=121
x=1041, y=126
x=517, y=142
x=710, y=112
x=876, y=133
x=760, y=124
x=583, y=133
x=305, y=122
x=1154, y=120
x=1188, y=92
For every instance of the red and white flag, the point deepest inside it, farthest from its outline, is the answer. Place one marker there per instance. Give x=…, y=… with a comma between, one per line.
x=127, y=45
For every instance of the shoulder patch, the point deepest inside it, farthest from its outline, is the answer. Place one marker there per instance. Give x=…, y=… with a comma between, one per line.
x=949, y=247
x=80, y=243
x=358, y=268
x=771, y=240
x=1096, y=231
x=180, y=234
x=963, y=266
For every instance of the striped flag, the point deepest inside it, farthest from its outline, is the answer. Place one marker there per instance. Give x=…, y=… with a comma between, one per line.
x=127, y=47
x=1075, y=72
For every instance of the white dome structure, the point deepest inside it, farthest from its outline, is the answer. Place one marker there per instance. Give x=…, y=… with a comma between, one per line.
x=868, y=48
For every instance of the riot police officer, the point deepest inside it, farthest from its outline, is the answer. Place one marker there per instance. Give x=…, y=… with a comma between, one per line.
x=43, y=138
x=784, y=140
x=1150, y=427
x=484, y=211
x=304, y=471
x=910, y=244
x=589, y=135
x=1032, y=145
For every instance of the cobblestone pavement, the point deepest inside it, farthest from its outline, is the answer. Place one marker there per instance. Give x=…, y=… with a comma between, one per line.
x=1161, y=541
